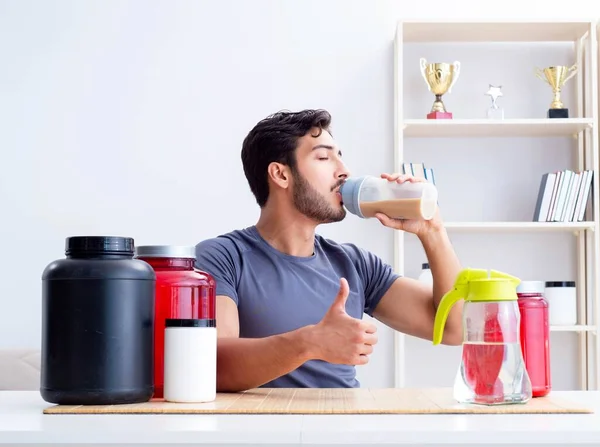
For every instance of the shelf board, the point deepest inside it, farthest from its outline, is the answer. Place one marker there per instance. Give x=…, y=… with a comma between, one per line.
x=494, y=31
x=575, y=328
x=481, y=128
x=519, y=226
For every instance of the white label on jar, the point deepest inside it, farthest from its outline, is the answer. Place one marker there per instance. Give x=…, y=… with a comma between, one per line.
x=190, y=364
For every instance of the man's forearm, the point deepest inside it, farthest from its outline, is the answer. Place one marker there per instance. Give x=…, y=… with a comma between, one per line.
x=445, y=267
x=244, y=363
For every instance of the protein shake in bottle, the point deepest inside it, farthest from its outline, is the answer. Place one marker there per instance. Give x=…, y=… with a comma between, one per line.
x=367, y=196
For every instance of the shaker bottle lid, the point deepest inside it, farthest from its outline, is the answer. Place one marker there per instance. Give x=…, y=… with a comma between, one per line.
x=350, y=191
x=190, y=322
x=560, y=283
x=531, y=287
x=166, y=251
x=99, y=244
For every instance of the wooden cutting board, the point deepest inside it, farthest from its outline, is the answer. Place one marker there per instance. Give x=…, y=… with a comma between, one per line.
x=329, y=401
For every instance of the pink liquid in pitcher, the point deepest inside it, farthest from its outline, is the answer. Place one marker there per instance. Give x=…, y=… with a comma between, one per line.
x=483, y=360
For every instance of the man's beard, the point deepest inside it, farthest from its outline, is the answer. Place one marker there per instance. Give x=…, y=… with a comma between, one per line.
x=312, y=204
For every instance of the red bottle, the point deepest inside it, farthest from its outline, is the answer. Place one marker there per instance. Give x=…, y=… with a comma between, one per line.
x=182, y=292
x=535, y=335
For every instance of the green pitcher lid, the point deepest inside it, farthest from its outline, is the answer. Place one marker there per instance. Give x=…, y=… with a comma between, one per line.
x=475, y=285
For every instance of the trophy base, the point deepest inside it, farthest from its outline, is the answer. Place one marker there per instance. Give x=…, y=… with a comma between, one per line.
x=439, y=116
x=558, y=113
x=495, y=114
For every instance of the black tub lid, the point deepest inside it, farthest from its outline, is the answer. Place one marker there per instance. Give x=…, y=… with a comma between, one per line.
x=190, y=322
x=99, y=244
x=560, y=283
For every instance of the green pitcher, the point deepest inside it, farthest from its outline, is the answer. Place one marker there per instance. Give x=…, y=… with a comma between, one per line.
x=492, y=370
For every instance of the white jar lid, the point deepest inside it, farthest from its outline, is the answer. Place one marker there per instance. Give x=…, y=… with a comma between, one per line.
x=531, y=287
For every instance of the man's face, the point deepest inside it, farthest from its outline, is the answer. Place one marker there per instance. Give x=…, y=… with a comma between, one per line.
x=319, y=174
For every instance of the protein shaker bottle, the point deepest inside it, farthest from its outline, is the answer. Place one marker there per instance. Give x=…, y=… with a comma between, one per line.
x=367, y=196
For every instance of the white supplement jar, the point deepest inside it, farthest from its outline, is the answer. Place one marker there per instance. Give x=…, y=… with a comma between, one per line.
x=562, y=302
x=426, y=275
x=190, y=360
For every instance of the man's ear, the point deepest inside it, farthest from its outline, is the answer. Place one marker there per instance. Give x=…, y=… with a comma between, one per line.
x=279, y=174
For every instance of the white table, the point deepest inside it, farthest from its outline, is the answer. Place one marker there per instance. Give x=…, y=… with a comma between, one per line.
x=22, y=422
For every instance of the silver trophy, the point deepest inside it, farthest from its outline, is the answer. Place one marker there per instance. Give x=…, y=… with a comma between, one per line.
x=495, y=112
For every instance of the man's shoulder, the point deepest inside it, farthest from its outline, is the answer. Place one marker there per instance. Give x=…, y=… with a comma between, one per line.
x=232, y=244
x=363, y=259
x=347, y=248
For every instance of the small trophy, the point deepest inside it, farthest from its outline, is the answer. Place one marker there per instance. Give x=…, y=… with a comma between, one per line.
x=556, y=77
x=439, y=77
x=495, y=112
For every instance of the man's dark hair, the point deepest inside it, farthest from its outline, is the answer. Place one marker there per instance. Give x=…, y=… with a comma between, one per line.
x=275, y=139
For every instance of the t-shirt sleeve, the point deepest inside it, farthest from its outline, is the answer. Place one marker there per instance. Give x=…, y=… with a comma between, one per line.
x=217, y=256
x=377, y=277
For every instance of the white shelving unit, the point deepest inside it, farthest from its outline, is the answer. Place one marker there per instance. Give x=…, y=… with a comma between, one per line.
x=582, y=126
x=478, y=128
x=520, y=226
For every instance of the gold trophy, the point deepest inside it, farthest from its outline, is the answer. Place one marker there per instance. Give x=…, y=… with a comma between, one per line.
x=557, y=77
x=439, y=77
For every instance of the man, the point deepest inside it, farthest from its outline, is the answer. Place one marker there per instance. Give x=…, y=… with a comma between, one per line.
x=290, y=302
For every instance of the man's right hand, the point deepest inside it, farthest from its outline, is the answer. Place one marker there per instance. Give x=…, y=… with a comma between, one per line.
x=245, y=363
x=340, y=338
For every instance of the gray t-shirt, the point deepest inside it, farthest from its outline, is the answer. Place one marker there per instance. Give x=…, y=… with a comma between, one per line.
x=277, y=293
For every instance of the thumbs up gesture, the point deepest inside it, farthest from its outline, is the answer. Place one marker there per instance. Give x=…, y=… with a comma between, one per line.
x=341, y=338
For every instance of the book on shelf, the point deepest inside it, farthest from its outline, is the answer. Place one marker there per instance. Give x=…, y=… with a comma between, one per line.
x=418, y=170
x=563, y=196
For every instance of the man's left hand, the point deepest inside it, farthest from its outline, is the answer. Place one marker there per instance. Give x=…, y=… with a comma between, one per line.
x=419, y=227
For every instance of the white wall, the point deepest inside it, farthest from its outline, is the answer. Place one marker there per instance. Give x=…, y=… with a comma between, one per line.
x=103, y=103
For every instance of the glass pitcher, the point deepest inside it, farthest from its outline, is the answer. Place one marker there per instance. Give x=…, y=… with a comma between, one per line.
x=492, y=370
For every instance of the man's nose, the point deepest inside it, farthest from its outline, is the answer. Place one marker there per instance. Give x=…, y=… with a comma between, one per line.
x=343, y=173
